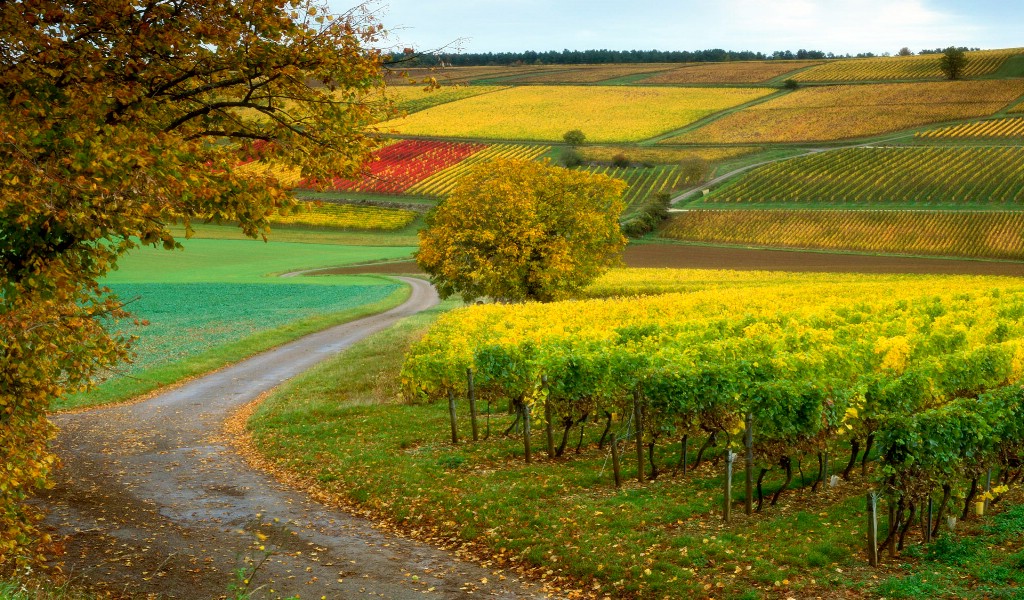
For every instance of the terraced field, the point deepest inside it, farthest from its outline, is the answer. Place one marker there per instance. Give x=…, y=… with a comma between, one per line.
x=729, y=72
x=996, y=235
x=924, y=66
x=828, y=113
x=886, y=176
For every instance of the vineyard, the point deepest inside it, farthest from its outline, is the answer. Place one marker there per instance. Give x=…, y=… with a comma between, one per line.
x=443, y=182
x=909, y=383
x=997, y=235
x=642, y=183
x=728, y=72
x=984, y=176
x=994, y=128
x=416, y=98
x=842, y=112
x=925, y=66
x=545, y=113
x=346, y=216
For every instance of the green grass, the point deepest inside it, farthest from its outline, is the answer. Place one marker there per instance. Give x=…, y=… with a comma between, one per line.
x=220, y=301
x=344, y=426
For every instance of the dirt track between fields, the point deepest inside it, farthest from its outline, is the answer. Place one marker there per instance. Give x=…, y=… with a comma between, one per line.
x=155, y=504
x=743, y=259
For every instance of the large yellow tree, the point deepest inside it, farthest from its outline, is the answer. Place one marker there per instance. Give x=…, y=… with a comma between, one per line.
x=523, y=230
x=118, y=117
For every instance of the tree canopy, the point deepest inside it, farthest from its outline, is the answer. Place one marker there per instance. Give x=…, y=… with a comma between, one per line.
x=523, y=230
x=118, y=118
x=953, y=62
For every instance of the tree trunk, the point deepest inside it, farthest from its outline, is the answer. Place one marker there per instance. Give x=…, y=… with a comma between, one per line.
x=821, y=472
x=566, y=426
x=760, y=492
x=906, y=526
x=712, y=439
x=894, y=527
x=650, y=457
x=786, y=464
x=947, y=490
x=607, y=428
x=682, y=454
x=854, y=450
x=583, y=428
x=970, y=498
x=867, y=452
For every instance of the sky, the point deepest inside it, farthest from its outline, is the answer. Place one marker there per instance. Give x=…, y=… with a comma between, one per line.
x=839, y=26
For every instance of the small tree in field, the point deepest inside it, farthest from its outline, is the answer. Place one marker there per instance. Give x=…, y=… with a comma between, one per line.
x=523, y=230
x=953, y=62
x=574, y=137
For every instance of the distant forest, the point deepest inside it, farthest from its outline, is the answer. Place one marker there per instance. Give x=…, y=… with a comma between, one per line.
x=596, y=57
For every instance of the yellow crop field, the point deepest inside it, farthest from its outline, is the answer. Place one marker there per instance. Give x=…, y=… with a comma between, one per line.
x=663, y=156
x=592, y=73
x=347, y=216
x=415, y=98
x=460, y=75
x=545, y=113
x=730, y=72
x=925, y=66
x=288, y=176
x=992, y=128
x=840, y=112
x=443, y=182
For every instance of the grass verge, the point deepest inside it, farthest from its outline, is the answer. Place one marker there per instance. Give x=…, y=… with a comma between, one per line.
x=149, y=381
x=342, y=431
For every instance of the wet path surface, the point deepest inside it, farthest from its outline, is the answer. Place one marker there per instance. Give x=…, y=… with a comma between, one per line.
x=155, y=504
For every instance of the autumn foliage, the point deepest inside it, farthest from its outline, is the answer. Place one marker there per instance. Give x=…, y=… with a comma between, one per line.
x=117, y=116
x=523, y=230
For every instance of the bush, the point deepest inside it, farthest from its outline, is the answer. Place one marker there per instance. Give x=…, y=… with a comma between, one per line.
x=790, y=84
x=653, y=212
x=620, y=160
x=574, y=137
x=572, y=158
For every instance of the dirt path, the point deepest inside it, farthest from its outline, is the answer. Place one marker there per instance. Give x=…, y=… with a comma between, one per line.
x=153, y=504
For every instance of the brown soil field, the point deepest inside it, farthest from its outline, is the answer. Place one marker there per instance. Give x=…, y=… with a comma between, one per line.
x=748, y=259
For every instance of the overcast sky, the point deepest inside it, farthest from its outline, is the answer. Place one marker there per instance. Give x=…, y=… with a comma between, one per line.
x=839, y=26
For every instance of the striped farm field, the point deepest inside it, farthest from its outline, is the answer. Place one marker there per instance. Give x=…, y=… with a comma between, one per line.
x=993, y=128
x=982, y=176
x=443, y=182
x=729, y=72
x=994, y=235
x=642, y=183
x=925, y=66
x=589, y=73
x=398, y=166
x=411, y=99
x=347, y=216
x=852, y=111
x=545, y=113
x=662, y=156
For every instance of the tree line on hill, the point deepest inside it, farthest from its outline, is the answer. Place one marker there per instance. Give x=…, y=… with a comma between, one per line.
x=596, y=57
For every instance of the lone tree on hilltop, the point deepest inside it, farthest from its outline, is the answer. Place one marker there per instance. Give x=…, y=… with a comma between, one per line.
x=953, y=62
x=523, y=230
x=119, y=117
x=574, y=137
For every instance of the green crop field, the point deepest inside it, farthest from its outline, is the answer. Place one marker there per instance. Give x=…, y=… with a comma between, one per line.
x=893, y=176
x=221, y=300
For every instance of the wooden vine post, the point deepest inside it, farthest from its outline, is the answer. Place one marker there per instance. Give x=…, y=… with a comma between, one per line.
x=547, y=418
x=472, y=404
x=616, y=468
x=526, y=431
x=873, y=529
x=637, y=416
x=451, y=415
x=748, y=442
x=730, y=458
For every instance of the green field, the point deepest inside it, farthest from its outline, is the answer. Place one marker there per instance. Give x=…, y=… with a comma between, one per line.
x=219, y=301
x=885, y=176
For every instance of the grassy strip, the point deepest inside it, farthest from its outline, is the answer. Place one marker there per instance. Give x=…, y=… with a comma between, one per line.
x=125, y=388
x=342, y=429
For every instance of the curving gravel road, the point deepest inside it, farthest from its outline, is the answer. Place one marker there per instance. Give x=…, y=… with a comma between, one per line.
x=153, y=505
